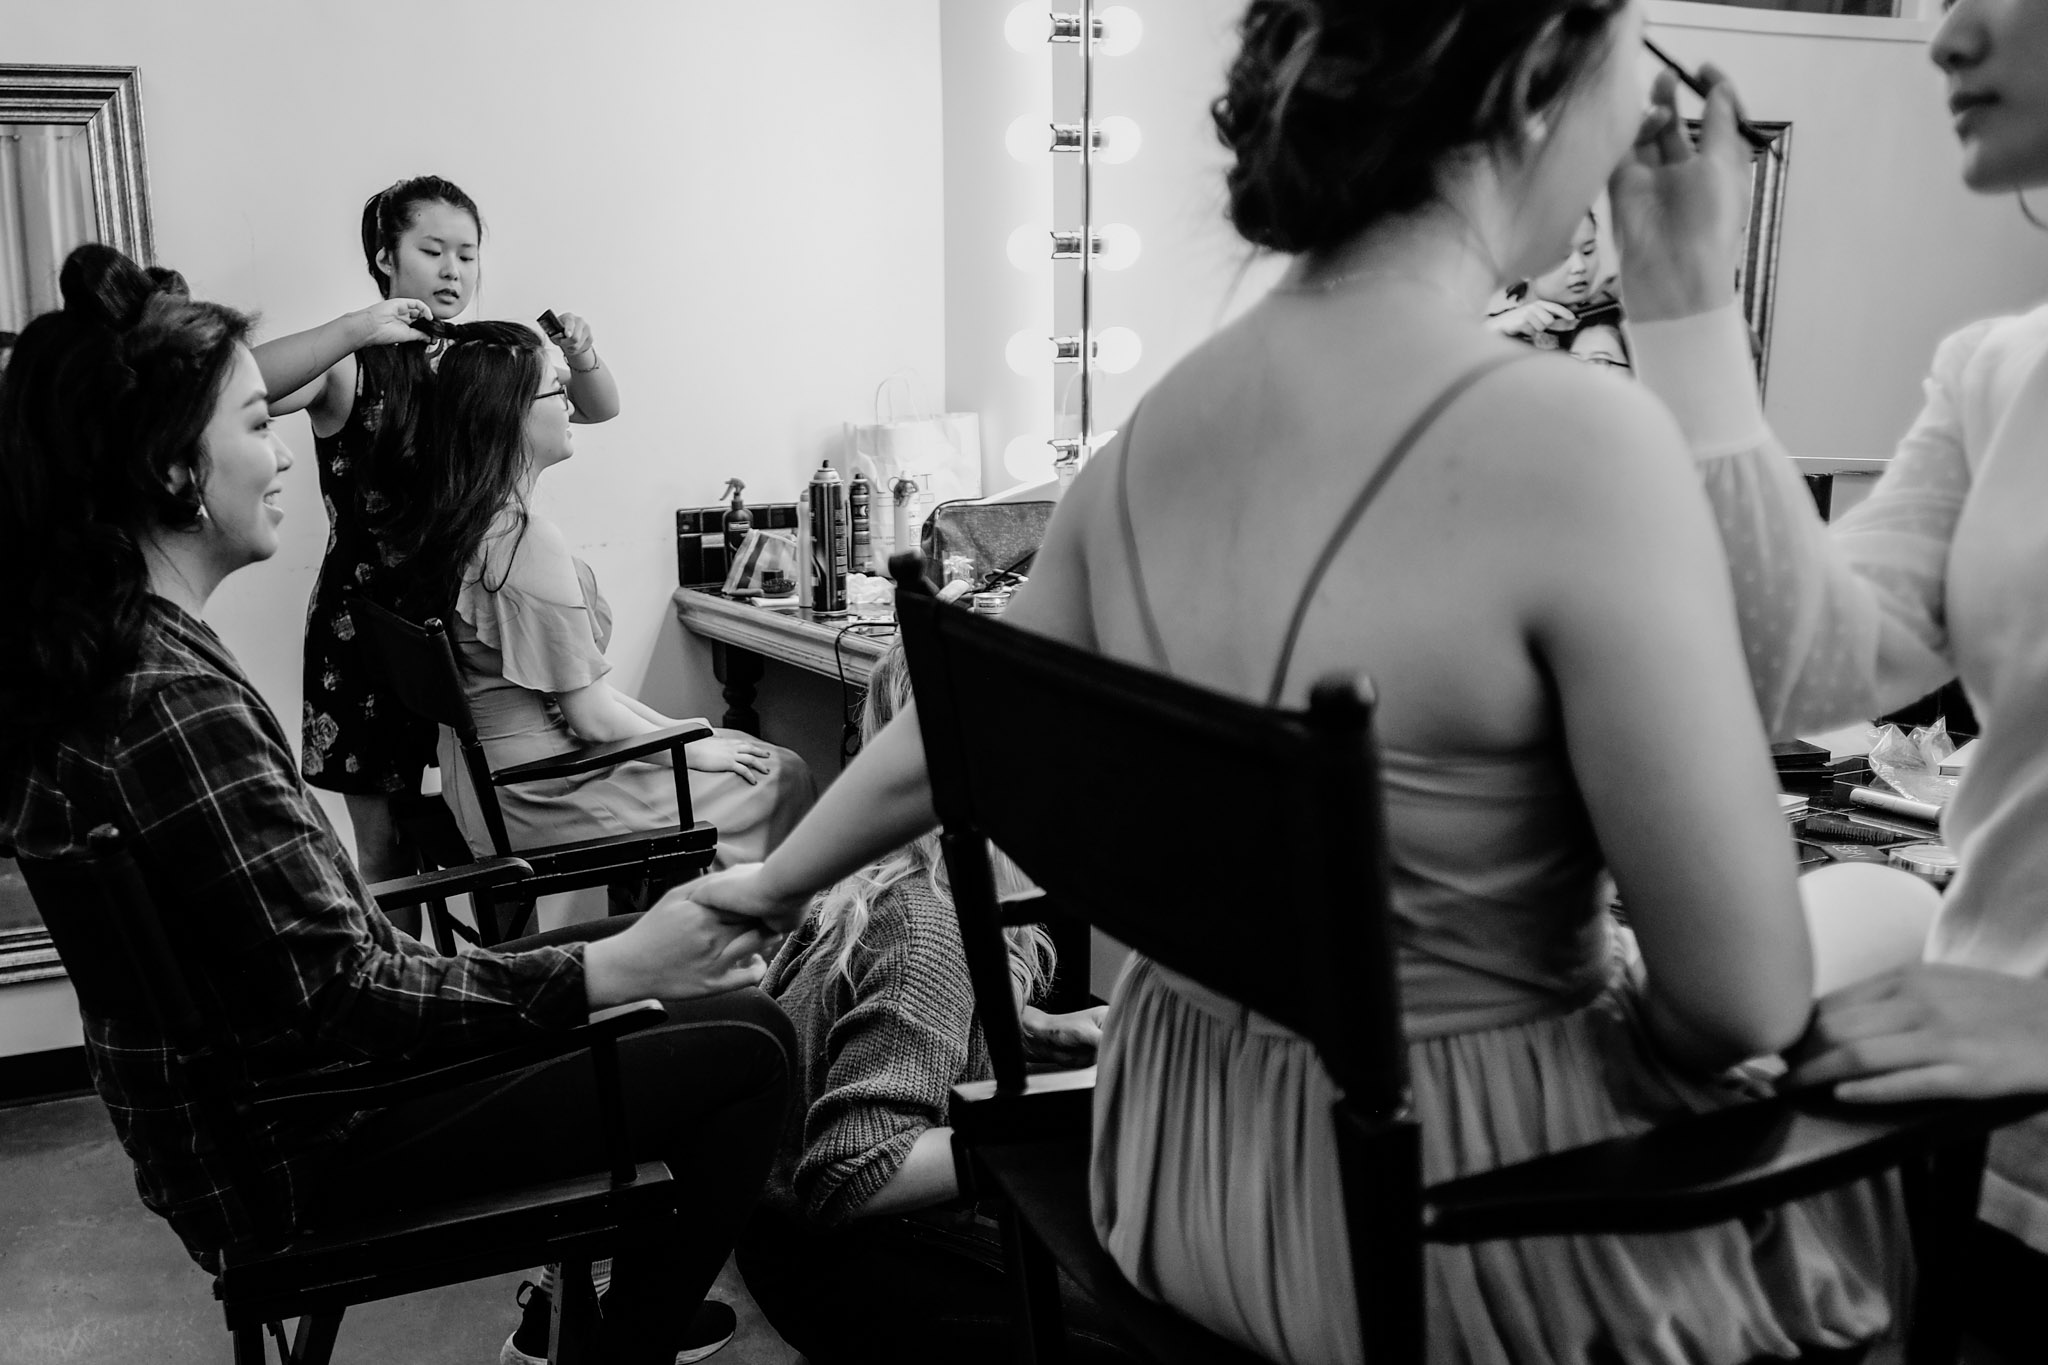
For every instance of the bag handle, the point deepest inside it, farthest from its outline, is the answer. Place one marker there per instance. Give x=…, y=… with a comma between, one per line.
x=906, y=377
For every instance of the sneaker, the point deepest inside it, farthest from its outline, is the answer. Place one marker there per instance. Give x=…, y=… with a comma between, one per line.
x=528, y=1344
x=712, y=1326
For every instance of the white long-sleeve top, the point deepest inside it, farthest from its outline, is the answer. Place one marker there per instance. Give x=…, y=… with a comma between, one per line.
x=1941, y=573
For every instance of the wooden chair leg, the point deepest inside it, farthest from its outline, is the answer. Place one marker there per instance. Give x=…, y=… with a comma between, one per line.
x=574, y=1334
x=1942, y=1190
x=249, y=1348
x=1035, y=1281
x=313, y=1343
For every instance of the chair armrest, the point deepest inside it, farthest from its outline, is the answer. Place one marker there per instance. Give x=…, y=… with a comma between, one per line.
x=599, y=756
x=450, y=881
x=377, y=1085
x=1052, y=1105
x=1707, y=1168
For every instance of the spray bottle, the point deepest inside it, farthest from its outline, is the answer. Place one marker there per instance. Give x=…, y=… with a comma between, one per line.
x=738, y=520
x=826, y=500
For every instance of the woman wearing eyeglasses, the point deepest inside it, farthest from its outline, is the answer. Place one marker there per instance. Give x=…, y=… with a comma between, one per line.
x=1941, y=574
x=422, y=244
x=532, y=626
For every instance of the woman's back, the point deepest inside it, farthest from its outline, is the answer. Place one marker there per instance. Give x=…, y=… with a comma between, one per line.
x=1495, y=588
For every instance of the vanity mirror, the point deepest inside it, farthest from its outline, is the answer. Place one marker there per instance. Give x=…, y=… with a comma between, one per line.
x=72, y=170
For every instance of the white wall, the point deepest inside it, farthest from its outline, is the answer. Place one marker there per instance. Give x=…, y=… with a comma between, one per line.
x=743, y=199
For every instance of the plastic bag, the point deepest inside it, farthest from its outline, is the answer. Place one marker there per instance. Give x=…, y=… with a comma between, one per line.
x=765, y=566
x=1911, y=764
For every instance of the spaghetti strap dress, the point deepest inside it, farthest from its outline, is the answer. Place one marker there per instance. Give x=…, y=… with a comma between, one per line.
x=1214, y=1175
x=356, y=737
x=536, y=627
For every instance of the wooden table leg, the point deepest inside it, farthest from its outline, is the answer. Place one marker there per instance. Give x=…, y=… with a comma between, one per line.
x=740, y=671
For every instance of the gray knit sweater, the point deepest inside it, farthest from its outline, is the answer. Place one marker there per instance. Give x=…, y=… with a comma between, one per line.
x=878, y=1055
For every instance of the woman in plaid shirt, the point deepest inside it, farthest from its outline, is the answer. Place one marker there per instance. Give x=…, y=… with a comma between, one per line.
x=138, y=468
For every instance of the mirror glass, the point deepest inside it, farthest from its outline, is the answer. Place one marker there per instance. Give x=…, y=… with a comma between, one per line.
x=46, y=209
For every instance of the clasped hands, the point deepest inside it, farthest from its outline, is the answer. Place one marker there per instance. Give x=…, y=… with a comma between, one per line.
x=717, y=934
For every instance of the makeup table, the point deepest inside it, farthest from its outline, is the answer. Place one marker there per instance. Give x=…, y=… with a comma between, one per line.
x=744, y=637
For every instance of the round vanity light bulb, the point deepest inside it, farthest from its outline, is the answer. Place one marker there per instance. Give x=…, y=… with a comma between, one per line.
x=1030, y=352
x=1029, y=138
x=1028, y=459
x=1118, y=246
x=1121, y=30
x=1030, y=247
x=1029, y=28
x=1118, y=140
x=1117, y=349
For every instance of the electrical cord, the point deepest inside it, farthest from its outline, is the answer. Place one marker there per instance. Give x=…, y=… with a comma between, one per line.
x=851, y=697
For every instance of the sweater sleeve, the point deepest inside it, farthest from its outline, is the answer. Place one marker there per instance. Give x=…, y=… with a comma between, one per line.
x=895, y=1054
x=1839, y=622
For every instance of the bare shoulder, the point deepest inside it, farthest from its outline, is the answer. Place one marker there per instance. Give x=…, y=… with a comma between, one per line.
x=1573, y=438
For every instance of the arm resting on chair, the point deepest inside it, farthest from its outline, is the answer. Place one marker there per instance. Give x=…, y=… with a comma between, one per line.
x=1703, y=1169
x=381, y=1085
x=599, y=756
x=450, y=881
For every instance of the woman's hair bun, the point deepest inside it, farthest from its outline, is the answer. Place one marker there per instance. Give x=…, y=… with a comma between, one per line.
x=102, y=286
x=1340, y=112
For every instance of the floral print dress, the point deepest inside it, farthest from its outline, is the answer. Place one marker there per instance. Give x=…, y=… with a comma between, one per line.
x=358, y=738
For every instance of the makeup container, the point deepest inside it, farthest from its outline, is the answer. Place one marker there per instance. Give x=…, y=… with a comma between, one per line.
x=1934, y=864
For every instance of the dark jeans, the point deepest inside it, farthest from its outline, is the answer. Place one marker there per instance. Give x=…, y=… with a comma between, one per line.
x=898, y=1290
x=704, y=1094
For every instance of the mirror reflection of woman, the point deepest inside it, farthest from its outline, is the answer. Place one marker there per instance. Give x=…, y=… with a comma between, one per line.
x=358, y=379
x=1942, y=573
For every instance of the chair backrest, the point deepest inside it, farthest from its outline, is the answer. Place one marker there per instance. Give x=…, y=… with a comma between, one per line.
x=109, y=933
x=421, y=668
x=1239, y=845
x=111, y=940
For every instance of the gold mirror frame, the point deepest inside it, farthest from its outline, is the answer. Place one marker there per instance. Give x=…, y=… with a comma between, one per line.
x=107, y=101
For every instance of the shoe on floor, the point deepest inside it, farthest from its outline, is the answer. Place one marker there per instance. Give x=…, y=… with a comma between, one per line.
x=711, y=1327
x=528, y=1344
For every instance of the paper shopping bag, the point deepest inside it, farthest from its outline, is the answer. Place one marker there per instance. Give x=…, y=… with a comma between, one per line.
x=913, y=460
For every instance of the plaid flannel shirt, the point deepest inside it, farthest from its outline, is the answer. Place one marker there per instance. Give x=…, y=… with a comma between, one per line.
x=289, y=958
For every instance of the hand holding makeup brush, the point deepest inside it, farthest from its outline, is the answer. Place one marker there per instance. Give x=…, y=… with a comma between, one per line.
x=1680, y=210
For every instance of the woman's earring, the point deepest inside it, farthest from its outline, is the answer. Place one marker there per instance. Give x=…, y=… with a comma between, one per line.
x=2028, y=213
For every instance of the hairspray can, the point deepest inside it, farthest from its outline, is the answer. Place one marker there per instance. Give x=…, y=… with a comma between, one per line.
x=859, y=511
x=826, y=497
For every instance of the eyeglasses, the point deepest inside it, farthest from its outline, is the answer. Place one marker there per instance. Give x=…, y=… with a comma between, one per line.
x=561, y=392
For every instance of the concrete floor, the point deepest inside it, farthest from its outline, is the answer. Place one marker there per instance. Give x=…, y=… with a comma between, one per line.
x=90, y=1277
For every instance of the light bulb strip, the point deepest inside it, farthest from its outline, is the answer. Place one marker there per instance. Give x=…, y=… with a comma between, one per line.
x=1085, y=259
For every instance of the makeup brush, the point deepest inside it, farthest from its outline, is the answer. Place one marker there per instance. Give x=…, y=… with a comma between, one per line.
x=1751, y=134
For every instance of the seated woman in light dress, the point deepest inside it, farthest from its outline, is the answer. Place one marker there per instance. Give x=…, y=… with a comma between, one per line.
x=532, y=626
x=1516, y=550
